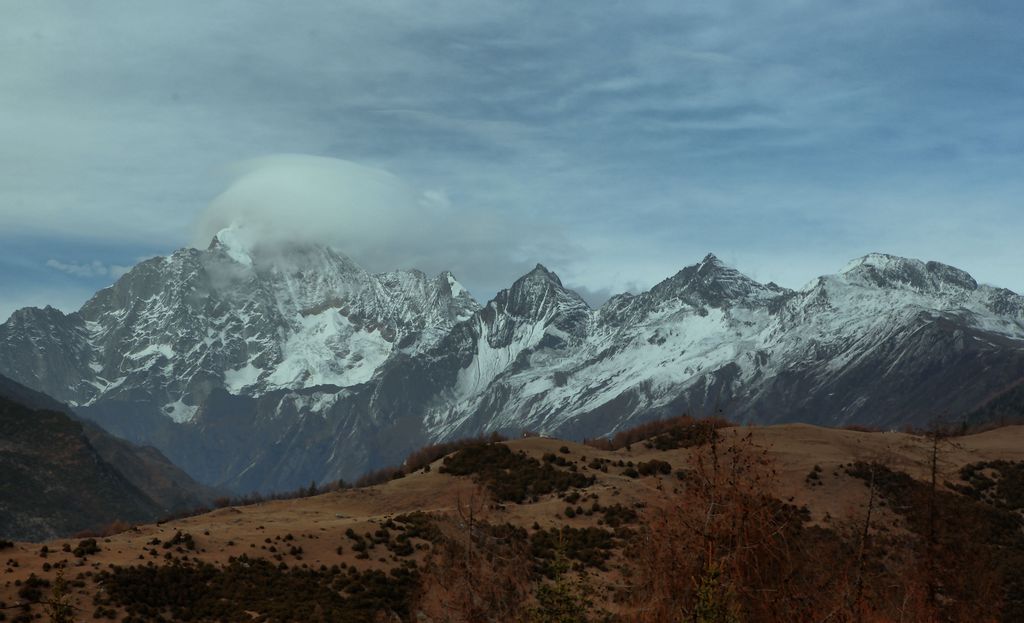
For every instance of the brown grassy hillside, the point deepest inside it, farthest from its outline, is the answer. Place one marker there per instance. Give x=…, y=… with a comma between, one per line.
x=781, y=523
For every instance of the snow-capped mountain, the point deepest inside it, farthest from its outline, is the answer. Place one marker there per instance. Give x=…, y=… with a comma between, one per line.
x=888, y=341
x=257, y=368
x=245, y=320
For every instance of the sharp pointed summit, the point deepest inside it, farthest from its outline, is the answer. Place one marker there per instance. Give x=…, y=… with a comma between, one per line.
x=229, y=242
x=714, y=283
x=541, y=272
x=539, y=293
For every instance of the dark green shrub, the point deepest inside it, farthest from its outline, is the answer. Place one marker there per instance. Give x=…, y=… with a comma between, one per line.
x=616, y=515
x=654, y=467
x=512, y=476
x=32, y=589
x=86, y=547
x=592, y=547
x=193, y=591
x=679, y=432
x=182, y=540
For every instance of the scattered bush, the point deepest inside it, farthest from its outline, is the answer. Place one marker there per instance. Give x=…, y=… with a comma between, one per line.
x=419, y=525
x=511, y=476
x=616, y=515
x=428, y=454
x=32, y=589
x=861, y=428
x=245, y=500
x=561, y=461
x=679, y=432
x=654, y=467
x=378, y=477
x=86, y=547
x=975, y=548
x=1002, y=486
x=191, y=591
x=110, y=529
x=813, y=477
x=592, y=547
x=180, y=539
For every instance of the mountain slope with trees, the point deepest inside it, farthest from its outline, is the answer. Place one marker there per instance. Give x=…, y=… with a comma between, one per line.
x=61, y=475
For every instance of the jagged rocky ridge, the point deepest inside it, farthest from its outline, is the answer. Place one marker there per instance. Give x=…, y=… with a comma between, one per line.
x=261, y=370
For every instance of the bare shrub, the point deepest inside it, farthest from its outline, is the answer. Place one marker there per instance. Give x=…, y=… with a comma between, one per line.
x=720, y=549
x=110, y=529
x=476, y=572
x=682, y=431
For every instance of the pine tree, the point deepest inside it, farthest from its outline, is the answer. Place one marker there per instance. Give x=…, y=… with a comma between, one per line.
x=58, y=606
x=562, y=600
x=714, y=604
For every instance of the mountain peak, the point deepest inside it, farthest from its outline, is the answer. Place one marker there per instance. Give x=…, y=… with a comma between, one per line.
x=872, y=260
x=454, y=286
x=537, y=292
x=892, y=271
x=540, y=272
x=230, y=241
x=712, y=264
x=298, y=257
x=713, y=282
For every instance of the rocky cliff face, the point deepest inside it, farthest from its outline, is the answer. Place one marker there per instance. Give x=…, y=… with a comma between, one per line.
x=175, y=328
x=262, y=370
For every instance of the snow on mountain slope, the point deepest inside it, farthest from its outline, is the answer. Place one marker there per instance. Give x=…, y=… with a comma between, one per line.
x=711, y=338
x=661, y=342
x=247, y=320
x=263, y=369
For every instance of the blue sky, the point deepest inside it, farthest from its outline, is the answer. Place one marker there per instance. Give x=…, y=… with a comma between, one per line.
x=613, y=141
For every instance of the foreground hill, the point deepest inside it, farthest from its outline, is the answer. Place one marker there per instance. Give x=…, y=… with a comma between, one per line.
x=265, y=368
x=61, y=475
x=780, y=523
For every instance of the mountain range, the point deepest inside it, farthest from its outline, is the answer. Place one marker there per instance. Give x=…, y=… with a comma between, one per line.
x=260, y=368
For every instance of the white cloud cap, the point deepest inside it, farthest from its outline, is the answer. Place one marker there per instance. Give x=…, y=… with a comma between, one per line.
x=285, y=198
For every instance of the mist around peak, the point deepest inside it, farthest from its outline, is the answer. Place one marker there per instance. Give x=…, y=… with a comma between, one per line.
x=382, y=222
x=286, y=199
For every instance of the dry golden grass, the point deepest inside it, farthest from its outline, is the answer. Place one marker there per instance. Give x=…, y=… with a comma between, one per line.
x=318, y=524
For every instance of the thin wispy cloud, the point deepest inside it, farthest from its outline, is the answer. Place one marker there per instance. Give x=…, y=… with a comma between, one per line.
x=95, y=268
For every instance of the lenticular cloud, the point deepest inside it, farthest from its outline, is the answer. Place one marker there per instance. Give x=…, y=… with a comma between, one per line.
x=374, y=217
x=288, y=198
